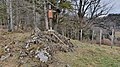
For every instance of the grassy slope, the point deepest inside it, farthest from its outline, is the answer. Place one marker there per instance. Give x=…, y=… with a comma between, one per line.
x=117, y=34
x=10, y=38
x=87, y=55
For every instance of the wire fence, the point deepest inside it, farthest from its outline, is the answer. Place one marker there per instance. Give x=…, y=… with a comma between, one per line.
x=97, y=36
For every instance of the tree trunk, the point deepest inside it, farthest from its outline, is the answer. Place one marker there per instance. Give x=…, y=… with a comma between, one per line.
x=46, y=18
x=8, y=16
x=17, y=17
x=34, y=14
x=11, y=17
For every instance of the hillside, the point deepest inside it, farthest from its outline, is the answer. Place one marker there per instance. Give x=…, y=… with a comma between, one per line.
x=84, y=54
x=107, y=22
x=89, y=55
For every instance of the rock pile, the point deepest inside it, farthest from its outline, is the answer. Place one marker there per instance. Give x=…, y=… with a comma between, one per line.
x=43, y=45
x=38, y=50
x=49, y=41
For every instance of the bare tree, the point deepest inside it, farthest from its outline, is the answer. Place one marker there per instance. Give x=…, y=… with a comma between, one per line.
x=10, y=15
x=89, y=10
x=46, y=18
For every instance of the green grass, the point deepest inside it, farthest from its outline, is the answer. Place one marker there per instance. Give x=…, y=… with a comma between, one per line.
x=88, y=55
x=117, y=34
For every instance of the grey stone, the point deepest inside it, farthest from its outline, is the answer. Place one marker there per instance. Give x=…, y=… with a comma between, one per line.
x=43, y=55
x=5, y=57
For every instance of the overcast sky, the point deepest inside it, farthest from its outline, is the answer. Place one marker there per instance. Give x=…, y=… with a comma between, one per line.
x=116, y=7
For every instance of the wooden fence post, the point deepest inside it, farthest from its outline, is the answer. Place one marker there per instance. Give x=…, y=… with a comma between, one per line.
x=81, y=34
x=112, y=38
x=78, y=34
x=50, y=16
x=100, y=36
x=93, y=35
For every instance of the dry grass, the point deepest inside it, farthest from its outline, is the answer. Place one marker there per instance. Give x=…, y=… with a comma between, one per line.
x=117, y=34
x=87, y=55
x=11, y=40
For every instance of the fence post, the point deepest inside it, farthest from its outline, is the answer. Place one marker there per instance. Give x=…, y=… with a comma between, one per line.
x=112, y=39
x=93, y=35
x=100, y=36
x=50, y=15
x=81, y=34
x=78, y=34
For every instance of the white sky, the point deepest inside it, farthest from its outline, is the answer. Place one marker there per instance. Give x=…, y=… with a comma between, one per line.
x=116, y=7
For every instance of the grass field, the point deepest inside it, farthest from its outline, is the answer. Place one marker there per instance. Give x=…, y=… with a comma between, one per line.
x=84, y=55
x=88, y=55
x=117, y=34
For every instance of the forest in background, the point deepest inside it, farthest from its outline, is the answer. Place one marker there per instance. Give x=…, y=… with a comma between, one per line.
x=69, y=16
